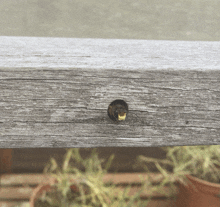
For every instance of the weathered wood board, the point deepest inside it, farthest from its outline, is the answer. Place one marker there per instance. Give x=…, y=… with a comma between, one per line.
x=54, y=92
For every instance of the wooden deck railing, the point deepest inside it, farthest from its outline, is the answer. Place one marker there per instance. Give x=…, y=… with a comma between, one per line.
x=55, y=92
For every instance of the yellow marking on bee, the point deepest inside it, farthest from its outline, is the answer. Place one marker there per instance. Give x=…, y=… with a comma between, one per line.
x=122, y=116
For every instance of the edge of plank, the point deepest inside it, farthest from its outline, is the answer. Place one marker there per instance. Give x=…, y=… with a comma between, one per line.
x=124, y=54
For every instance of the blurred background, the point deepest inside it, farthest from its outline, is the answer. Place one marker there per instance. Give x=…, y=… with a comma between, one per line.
x=192, y=20
x=123, y=19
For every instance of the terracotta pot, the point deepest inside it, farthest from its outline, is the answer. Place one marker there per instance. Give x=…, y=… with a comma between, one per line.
x=38, y=191
x=198, y=193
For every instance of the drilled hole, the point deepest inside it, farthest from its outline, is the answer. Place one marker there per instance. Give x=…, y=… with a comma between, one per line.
x=118, y=110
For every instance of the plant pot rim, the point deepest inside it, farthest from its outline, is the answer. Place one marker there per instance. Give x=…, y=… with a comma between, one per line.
x=198, y=193
x=38, y=191
x=47, y=186
x=203, y=185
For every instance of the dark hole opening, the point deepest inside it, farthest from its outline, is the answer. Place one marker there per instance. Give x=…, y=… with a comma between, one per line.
x=118, y=110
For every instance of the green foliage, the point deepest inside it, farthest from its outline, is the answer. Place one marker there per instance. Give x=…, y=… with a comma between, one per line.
x=90, y=190
x=200, y=161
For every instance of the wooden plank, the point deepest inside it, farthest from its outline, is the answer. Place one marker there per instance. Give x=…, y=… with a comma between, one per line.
x=24, y=193
x=14, y=204
x=124, y=54
x=55, y=92
x=20, y=179
x=16, y=193
x=20, y=186
x=152, y=203
x=118, y=178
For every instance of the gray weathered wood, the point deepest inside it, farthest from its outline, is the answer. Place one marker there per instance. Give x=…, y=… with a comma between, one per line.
x=54, y=92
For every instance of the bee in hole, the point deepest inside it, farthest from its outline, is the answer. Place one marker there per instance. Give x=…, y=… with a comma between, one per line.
x=118, y=110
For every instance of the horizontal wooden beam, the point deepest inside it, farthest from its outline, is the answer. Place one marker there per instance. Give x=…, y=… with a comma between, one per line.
x=114, y=178
x=20, y=186
x=55, y=92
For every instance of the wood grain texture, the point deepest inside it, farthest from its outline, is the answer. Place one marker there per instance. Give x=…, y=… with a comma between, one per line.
x=54, y=92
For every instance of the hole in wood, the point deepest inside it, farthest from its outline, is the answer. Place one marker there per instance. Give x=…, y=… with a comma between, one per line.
x=118, y=110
